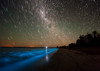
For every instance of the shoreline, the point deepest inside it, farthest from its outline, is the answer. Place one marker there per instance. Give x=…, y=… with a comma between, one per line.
x=72, y=60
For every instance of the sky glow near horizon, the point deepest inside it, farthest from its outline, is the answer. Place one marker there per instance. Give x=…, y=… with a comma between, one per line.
x=37, y=23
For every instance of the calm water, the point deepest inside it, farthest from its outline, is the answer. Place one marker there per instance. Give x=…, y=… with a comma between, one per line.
x=18, y=59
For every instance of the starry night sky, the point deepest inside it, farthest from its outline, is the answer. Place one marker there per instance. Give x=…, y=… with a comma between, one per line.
x=39, y=23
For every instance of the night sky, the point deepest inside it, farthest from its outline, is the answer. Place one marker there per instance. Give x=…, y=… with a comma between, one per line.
x=39, y=23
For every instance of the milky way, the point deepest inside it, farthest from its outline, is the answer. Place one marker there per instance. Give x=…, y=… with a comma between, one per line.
x=39, y=23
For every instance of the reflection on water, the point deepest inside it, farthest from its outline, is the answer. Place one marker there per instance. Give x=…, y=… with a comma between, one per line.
x=18, y=59
x=46, y=53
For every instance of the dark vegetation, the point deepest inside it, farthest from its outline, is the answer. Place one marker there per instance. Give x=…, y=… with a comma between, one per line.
x=91, y=40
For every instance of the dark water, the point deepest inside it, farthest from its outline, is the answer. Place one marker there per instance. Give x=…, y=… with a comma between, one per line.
x=21, y=59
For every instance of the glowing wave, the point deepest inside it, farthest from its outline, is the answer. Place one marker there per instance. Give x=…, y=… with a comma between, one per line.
x=31, y=58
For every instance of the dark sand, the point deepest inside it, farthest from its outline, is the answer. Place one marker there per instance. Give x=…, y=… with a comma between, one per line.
x=72, y=60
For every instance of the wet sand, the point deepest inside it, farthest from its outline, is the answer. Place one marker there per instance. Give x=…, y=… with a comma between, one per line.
x=72, y=60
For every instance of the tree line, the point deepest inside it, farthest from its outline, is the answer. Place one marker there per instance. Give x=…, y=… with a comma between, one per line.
x=89, y=40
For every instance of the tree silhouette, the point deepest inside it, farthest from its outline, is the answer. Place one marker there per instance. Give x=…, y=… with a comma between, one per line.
x=89, y=40
x=94, y=34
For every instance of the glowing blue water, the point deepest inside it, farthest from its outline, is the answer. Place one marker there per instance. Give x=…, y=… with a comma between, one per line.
x=14, y=60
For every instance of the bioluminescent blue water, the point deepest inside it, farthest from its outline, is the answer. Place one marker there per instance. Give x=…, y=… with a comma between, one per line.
x=16, y=60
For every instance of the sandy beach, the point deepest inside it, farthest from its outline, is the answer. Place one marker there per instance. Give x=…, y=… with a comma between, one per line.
x=72, y=60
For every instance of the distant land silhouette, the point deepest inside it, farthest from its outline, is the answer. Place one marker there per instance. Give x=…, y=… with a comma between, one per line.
x=91, y=40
